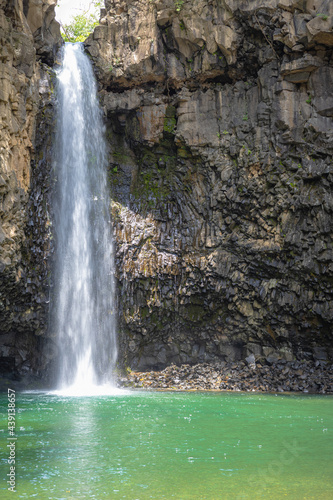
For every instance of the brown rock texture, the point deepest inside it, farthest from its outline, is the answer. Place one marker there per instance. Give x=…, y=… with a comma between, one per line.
x=219, y=119
x=23, y=207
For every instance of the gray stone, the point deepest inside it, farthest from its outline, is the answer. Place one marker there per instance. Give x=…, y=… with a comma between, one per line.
x=251, y=360
x=320, y=353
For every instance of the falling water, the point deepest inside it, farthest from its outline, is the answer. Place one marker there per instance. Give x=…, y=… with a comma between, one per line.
x=84, y=308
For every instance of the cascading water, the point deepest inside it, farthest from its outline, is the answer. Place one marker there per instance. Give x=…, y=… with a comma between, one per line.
x=84, y=307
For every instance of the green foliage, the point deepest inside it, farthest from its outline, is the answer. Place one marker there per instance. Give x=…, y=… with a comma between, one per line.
x=81, y=25
x=170, y=121
x=179, y=4
x=308, y=101
x=323, y=16
x=79, y=29
x=169, y=124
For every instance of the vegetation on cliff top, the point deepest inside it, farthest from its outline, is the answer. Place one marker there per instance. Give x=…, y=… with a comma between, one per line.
x=81, y=25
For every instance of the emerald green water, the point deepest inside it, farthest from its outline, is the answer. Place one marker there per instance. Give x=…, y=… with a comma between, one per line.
x=171, y=446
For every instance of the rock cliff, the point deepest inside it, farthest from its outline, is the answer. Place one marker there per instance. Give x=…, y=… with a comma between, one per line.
x=29, y=38
x=219, y=118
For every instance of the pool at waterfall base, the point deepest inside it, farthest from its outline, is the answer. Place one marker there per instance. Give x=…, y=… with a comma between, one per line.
x=139, y=445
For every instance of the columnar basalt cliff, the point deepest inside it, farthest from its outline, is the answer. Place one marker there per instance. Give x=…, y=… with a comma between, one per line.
x=219, y=120
x=29, y=38
x=219, y=117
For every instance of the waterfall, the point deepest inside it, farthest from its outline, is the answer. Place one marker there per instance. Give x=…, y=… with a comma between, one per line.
x=83, y=305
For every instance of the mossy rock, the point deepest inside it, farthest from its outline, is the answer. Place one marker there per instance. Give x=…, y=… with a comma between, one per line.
x=193, y=312
x=169, y=124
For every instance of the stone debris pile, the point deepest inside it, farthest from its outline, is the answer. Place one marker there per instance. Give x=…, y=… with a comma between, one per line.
x=279, y=376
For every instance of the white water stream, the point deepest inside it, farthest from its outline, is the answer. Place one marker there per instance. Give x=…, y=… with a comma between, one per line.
x=84, y=306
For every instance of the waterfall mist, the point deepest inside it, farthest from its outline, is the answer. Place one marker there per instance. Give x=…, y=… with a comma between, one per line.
x=83, y=313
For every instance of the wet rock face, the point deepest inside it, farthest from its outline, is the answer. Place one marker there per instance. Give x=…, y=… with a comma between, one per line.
x=219, y=118
x=25, y=124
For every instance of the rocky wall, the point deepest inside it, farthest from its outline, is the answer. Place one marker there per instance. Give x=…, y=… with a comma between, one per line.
x=29, y=38
x=219, y=118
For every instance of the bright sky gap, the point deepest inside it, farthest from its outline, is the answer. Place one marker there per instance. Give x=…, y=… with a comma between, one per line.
x=67, y=9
